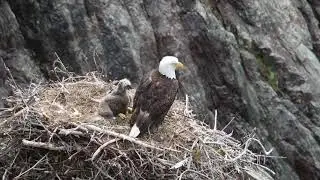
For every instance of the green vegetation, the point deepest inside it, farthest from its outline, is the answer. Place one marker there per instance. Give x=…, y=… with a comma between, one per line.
x=267, y=70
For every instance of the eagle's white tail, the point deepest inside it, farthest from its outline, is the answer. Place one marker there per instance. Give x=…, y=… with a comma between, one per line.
x=134, y=131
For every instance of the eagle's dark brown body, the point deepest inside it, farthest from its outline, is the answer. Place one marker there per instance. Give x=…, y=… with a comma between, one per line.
x=152, y=100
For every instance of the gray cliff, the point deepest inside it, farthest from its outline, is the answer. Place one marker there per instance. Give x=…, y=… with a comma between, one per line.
x=255, y=60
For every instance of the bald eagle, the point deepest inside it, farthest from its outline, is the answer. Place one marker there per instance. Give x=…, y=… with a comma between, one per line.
x=116, y=102
x=154, y=96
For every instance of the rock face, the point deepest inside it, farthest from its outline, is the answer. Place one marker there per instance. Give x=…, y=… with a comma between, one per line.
x=257, y=61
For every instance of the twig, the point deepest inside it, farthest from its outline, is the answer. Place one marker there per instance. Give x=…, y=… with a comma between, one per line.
x=59, y=178
x=42, y=145
x=14, y=82
x=95, y=154
x=4, y=176
x=215, y=120
x=187, y=112
x=77, y=126
x=96, y=100
x=227, y=124
x=21, y=174
x=20, y=112
x=260, y=166
x=94, y=58
x=165, y=162
x=107, y=176
x=246, y=149
x=10, y=74
x=63, y=88
x=5, y=110
x=15, y=115
x=14, y=159
x=70, y=132
x=181, y=163
x=85, y=83
x=51, y=134
x=189, y=170
x=58, y=60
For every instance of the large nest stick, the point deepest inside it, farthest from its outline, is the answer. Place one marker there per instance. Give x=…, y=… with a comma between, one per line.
x=53, y=131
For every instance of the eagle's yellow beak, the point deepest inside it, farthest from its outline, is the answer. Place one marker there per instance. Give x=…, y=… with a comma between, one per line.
x=179, y=65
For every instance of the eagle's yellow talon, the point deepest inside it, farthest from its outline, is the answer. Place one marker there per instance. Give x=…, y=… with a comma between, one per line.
x=122, y=116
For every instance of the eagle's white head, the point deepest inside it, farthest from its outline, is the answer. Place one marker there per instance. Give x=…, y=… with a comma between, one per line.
x=168, y=65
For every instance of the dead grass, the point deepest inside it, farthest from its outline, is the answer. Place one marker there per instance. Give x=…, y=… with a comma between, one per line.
x=53, y=131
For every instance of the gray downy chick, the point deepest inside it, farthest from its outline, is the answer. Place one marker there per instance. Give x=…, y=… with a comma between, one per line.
x=116, y=102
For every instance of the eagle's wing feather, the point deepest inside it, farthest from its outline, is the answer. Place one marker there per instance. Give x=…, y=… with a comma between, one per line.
x=145, y=84
x=139, y=96
x=163, y=100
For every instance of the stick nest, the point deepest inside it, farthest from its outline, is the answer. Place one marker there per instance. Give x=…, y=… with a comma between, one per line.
x=53, y=132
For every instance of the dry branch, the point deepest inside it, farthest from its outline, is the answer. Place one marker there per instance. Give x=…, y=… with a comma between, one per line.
x=42, y=145
x=247, y=144
x=25, y=172
x=95, y=154
x=70, y=132
x=215, y=120
x=121, y=136
x=14, y=116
